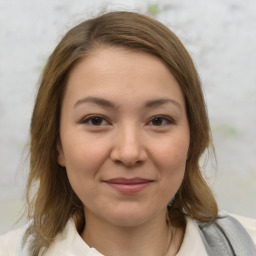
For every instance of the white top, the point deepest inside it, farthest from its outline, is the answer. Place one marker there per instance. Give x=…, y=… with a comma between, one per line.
x=69, y=242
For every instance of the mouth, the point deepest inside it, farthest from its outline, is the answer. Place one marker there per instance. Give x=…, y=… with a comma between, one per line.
x=128, y=186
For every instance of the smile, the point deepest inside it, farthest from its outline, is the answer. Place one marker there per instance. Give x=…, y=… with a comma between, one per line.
x=128, y=186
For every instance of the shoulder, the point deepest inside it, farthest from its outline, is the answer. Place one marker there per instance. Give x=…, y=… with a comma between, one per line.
x=248, y=223
x=230, y=235
x=66, y=243
x=192, y=243
x=11, y=244
x=69, y=242
x=8, y=243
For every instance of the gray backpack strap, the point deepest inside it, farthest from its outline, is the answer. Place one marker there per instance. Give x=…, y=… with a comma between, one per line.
x=226, y=237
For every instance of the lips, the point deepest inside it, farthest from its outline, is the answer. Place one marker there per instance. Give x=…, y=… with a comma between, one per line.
x=128, y=186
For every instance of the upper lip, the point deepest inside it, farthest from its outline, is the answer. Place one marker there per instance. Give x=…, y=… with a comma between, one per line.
x=127, y=180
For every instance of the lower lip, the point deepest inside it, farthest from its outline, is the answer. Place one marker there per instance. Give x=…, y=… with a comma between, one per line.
x=129, y=188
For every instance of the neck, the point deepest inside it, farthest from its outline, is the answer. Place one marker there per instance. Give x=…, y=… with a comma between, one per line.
x=150, y=238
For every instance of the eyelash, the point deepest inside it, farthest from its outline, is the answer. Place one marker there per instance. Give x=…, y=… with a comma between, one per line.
x=89, y=120
x=166, y=119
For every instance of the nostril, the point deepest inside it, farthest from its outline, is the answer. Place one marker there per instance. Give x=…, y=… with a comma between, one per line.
x=128, y=147
x=128, y=163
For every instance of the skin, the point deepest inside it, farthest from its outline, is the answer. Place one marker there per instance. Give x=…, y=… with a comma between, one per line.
x=123, y=116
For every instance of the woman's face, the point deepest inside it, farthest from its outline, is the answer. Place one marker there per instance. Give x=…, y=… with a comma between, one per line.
x=124, y=135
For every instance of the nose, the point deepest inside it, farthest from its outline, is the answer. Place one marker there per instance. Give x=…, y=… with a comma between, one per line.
x=128, y=148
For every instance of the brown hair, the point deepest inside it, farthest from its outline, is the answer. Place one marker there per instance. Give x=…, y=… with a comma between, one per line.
x=54, y=201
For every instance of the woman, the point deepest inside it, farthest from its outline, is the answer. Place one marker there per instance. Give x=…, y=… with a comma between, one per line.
x=118, y=128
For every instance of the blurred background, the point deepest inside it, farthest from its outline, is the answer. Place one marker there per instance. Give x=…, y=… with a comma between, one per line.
x=221, y=37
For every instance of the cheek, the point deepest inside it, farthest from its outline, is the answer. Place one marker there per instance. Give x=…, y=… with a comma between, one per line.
x=83, y=163
x=173, y=152
x=171, y=161
x=83, y=159
x=84, y=151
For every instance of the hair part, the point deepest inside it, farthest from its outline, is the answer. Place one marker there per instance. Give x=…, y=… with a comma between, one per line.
x=55, y=202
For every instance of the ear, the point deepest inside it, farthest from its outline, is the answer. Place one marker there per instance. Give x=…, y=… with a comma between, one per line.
x=61, y=157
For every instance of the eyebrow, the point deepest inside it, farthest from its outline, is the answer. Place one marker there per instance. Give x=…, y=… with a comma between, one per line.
x=109, y=104
x=95, y=100
x=159, y=102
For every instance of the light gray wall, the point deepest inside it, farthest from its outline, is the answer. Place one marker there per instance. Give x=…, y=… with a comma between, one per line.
x=221, y=37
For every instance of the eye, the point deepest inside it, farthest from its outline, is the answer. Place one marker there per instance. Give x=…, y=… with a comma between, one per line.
x=160, y=121
x=95, y=120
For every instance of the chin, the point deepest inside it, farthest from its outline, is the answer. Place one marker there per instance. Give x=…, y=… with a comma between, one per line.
x=130, y=217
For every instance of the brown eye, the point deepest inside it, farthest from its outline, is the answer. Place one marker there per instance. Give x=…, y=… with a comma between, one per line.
x=95, y=120
x=157, y=121
x=161, y=121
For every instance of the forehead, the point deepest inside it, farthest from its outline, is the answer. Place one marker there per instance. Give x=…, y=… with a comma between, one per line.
x=109, y=59
x=114, y=71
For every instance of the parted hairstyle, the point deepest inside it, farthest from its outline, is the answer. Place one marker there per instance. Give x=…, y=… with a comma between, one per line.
x=50, y=199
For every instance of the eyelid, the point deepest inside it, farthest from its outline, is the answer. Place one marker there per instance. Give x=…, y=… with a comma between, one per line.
x=89, y=117
x=169, y=119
